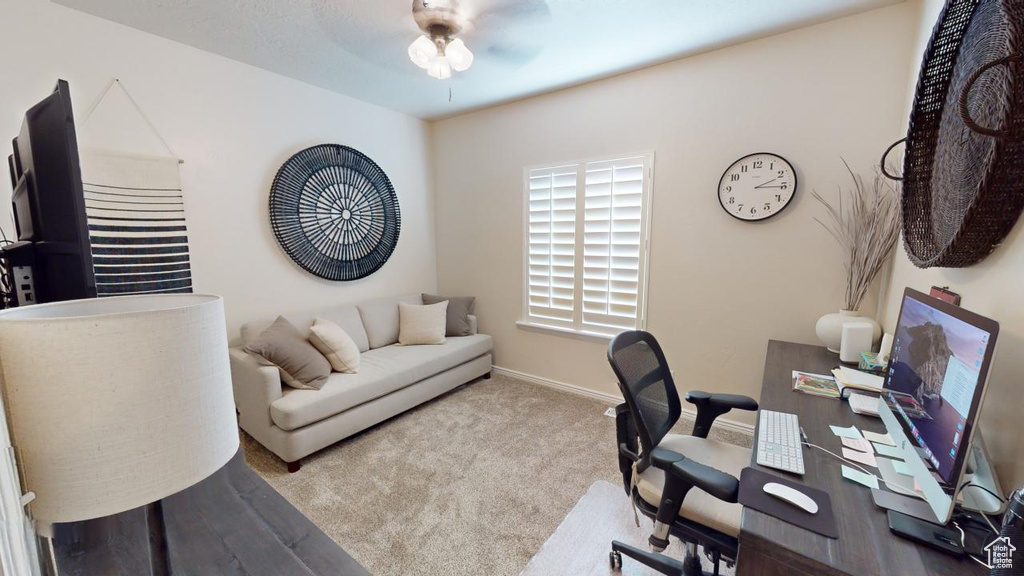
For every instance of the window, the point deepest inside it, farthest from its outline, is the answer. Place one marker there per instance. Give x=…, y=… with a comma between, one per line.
x=586, y=236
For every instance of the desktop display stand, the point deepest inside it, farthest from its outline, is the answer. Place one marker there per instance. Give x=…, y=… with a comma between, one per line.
x=984, y=496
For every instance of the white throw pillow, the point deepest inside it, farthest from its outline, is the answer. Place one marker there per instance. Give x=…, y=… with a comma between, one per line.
x=336, y=345
x=422, y=324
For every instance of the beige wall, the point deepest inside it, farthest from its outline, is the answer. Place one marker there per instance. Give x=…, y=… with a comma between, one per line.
x=234, y=125
x=719, y=288
x=992, y=288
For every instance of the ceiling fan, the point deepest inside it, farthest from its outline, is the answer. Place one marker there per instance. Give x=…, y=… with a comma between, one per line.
x=506, y=33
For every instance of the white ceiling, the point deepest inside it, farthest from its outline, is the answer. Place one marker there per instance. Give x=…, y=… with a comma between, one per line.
x=522, y=47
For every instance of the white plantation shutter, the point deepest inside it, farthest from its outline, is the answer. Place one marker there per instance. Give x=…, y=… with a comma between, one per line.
x=613, y=244
x=551, y=266
x=586, y=254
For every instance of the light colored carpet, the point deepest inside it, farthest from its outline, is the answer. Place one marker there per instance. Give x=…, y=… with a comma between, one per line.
x=581, y=544
x=472, y=482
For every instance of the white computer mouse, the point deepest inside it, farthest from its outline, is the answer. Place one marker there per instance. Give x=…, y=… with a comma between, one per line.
x=793, y=496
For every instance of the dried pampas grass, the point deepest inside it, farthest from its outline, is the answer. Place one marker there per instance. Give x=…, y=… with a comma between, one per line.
x=866, y=225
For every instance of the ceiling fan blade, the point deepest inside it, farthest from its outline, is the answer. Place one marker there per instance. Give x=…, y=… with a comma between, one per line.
x=514, y=55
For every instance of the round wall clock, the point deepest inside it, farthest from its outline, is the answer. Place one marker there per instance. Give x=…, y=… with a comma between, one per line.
x=335, y=212
x=757, y=186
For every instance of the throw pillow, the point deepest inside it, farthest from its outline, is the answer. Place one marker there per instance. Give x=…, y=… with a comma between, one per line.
x=336, y=345
x=282, y=345
x=421, y=324
x=459, y=309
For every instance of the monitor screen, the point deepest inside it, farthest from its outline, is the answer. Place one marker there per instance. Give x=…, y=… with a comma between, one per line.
x=935, y=379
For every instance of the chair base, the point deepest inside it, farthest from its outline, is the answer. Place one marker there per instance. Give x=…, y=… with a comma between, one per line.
x=690, y=566
x=294, y=467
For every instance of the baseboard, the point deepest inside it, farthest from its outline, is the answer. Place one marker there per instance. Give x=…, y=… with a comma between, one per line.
x=613, y=399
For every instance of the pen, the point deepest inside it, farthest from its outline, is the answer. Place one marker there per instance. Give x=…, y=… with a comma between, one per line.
x=803, y=434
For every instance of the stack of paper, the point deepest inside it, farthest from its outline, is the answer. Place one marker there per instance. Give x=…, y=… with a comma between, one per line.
x=866, y=404
x=815, y=384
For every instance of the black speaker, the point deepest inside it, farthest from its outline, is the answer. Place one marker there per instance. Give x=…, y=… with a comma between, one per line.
x=1006, y=553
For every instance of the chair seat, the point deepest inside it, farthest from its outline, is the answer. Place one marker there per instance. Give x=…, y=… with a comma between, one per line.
x=699, y=506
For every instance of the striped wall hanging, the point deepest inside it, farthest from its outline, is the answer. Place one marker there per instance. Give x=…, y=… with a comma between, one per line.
x=335, y=212
x=133, y=202
x=137, y=226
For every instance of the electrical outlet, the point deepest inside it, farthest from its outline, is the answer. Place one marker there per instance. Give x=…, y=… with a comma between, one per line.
x=24, y=285
x=610, y=412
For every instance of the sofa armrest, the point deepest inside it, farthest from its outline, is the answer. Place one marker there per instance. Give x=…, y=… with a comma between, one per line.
x=256, y=387
x=473, y=326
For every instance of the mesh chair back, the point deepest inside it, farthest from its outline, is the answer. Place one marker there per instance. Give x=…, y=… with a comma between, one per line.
x=646, y=384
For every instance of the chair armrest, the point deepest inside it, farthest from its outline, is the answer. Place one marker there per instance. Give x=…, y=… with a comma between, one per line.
x=255, y=386
x=664, y=459
x=711, y=406
x=473, y=324
x=723, y=486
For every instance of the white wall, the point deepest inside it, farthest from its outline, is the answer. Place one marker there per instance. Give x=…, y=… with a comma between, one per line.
x=234, y=125
x=991, y=288
x=719, y=288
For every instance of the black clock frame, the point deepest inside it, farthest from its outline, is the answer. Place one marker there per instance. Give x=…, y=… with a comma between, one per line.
x=773, y=214
x=335, y=212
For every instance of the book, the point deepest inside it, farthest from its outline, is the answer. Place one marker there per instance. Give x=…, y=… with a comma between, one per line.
x=850, y=378
x=815, y=384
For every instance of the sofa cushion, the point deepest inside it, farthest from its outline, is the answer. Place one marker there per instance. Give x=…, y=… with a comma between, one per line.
x=282, y=345
x=347, y=317
x=459, y=310
x=421, y=324
x=381, y=371
x=337, y=346
x=380, y=319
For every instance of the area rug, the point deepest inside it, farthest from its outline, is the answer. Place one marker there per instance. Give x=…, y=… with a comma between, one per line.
x=470, y=483
x=581, y=543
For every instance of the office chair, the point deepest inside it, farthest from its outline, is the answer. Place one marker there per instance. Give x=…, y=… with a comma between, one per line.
x=687, y=484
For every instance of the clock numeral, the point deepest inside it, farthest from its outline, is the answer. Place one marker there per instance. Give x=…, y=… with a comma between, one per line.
x=732, y=199
x=778, y=197
x=758, y=164
x=783, y=185
x=767, y=207
x=753, y=210
x=743, y=168
x=728, y=188
x=740, y=209
x=734, y=177
x=782, y=173
x=771, y=166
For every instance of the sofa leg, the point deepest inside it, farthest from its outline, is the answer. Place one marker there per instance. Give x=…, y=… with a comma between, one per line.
x=293, y=467
x=487, y=376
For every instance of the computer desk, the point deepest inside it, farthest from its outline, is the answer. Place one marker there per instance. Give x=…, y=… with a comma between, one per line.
x=866, y=547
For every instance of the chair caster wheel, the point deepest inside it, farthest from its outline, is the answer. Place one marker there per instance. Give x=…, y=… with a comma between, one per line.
x=615, y=559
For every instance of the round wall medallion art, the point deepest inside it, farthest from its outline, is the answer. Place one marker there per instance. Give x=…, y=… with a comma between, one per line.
x=335, y=212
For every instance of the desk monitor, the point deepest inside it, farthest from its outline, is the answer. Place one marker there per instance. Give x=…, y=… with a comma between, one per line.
x=933, y=390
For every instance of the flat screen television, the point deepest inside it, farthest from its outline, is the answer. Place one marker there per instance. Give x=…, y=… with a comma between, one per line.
x=52, y=259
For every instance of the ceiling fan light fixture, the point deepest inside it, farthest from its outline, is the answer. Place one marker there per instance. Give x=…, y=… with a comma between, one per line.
x=422, y=51
x=440, y=68
x=459, y=55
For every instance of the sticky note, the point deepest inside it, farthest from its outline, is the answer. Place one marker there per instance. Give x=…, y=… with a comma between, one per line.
x=901, y=467
x=880, y=438
x=865, y=458
x=858, y=444
x=890, y=451
x=860, y=477
x=850, y=432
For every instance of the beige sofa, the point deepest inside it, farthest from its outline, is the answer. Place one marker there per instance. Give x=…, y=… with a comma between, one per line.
x=391, y=379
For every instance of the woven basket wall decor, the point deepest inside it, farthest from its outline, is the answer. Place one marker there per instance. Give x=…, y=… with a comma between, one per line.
x=963, y=169
x=335, y=212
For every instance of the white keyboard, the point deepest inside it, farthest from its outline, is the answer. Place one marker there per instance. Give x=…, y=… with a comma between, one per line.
x=778, y=441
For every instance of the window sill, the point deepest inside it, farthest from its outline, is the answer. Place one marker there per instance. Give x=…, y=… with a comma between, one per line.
x=566, y=332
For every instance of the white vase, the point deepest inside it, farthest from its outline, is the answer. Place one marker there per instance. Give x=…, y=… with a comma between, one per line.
x=830, y=328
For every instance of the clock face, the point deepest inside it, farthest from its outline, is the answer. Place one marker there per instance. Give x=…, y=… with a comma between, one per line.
x=757, y=186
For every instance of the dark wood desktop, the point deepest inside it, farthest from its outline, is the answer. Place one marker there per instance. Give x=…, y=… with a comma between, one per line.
x=866, y=547
x=232, y=523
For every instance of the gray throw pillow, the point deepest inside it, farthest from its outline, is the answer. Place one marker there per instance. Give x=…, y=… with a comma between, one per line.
x=459, y=309
x=302, y=366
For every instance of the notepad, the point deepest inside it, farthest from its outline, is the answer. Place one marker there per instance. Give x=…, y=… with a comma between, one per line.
x=850, y=432
x=880, y=438
x=890, y=451
x=858, y=444
x=860, y=477
x=865, y=458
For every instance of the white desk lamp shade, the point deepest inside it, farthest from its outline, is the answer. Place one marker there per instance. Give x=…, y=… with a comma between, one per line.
x=115, y=403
